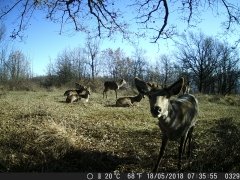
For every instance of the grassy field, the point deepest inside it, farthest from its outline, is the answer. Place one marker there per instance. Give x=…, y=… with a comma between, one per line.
x=39, y=132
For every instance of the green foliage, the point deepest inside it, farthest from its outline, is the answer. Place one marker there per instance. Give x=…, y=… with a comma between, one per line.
x=42, y=133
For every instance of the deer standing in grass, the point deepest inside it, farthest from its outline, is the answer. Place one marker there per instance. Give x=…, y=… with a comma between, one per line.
x=128, y=101
x=177, y=117
x=112, y=85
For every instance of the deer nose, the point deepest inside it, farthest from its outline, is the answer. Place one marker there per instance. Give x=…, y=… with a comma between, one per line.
x=156, y=110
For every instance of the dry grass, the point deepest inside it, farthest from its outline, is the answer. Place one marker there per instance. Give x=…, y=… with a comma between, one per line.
x=42, y=133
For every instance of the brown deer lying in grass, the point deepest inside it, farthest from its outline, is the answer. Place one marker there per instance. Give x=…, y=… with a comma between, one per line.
x=177, y=118
x=79, y=89
x=112, y=85
x=77, y=97
x=128, y=101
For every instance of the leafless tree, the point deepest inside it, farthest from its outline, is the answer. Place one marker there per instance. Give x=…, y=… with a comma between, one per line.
x=198, y=54
x=139, y=63
x=106, y=16
x=166, y=70
x=116, y=63
x=214, y=64
x=92, y=49
x=17, y=66
x=3, y=54
x=227, y=71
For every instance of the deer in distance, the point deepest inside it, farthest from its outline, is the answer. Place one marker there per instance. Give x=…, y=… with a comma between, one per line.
x=177, y=117
x=79, y=89
x=129, y=101
x=112, y=85
x=77, y=97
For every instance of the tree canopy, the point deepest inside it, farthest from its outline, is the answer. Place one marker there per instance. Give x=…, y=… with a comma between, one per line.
x=108, y=17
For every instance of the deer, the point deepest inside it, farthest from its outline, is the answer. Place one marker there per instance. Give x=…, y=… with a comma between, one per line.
x=186, y=87
x=128, y=101
x=112, y=85
x=79, y=89
x=153, y=84
x=176, y=118
x=77, y=97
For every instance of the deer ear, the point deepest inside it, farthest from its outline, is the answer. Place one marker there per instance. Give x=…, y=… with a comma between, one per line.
x=78, y=86
x=141, y=86
x=176, y=87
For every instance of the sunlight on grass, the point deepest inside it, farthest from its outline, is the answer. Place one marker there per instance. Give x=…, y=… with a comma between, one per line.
x=42, y=133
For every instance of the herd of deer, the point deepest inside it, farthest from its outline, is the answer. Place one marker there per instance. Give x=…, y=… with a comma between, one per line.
x=176, y=117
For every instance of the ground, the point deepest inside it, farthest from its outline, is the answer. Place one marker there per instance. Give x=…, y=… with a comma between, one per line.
x=42, y=133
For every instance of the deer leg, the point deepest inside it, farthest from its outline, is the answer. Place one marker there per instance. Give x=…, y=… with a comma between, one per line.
x=180, y=151
x=189, y=141
x=185, y=143
x=116, y=93
x=161, y=152
x=105, y=93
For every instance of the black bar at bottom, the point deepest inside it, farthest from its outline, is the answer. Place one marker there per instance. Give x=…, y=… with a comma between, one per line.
x=122, y=176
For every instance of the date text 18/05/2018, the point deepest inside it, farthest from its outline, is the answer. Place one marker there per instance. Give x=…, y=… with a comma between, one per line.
x=180, y=176
x=164, y=176
x=194, y=176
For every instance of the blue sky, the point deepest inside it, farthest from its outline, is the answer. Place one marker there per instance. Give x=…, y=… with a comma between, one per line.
x=42, y=41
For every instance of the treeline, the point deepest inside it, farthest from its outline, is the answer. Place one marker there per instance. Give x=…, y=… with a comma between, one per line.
x=15, y=70
x=210, y=65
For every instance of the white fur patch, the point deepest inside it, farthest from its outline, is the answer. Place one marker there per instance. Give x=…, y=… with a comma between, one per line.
x=162, y=102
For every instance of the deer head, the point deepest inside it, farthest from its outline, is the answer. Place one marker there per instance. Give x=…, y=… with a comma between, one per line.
x=159, y=98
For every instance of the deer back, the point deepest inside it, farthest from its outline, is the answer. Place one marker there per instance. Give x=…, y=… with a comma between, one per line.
x=110, y=85
x=181, y=116
x=123, y=102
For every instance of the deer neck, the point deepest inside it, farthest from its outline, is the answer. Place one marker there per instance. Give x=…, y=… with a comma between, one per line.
x=137, y=98
x=85, y=96
x=170, y=124
x=120, y=85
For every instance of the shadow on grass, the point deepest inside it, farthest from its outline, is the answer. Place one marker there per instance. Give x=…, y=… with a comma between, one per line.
x=140, y=149
x=77, y=161
x=85, y=161
x=223, y=154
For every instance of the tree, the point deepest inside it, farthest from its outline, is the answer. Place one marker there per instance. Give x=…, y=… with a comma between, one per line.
x=227, y=72
x=113, y=62
x=166, y=70
x=139, y=63
x=64, y=68
x=92, y=46
x=212, y=64
x=18, y=66
x=107, y=17
x=197, y=53
x=3, y=54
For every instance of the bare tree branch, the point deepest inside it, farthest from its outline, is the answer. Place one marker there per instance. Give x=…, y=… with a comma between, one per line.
x=165, y=21
x=230, y=9
x=10, y=9
x=101, y=16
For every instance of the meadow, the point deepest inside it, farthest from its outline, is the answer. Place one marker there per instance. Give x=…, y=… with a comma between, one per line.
x=39, y=132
